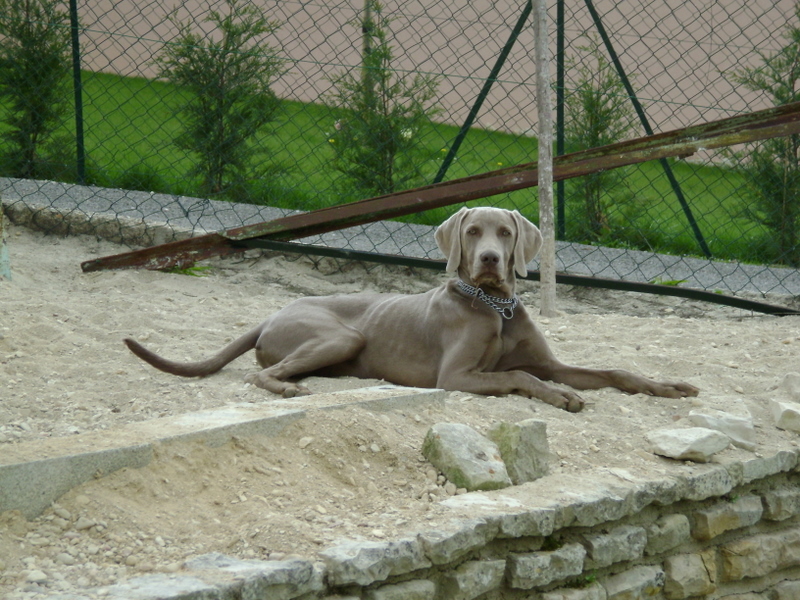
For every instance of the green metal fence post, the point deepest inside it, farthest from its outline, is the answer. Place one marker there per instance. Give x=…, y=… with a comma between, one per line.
x=676, y=188
x=80, y=150
x=487, y=86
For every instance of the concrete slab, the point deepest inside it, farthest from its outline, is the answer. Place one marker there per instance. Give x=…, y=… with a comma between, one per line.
x=33, y=475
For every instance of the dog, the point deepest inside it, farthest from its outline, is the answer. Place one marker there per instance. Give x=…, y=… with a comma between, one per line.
x=471, y=334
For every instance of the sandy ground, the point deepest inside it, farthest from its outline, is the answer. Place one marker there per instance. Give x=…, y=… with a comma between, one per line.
x=350, y=473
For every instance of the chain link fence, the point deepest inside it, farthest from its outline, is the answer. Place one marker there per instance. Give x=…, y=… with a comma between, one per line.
x=119, y=160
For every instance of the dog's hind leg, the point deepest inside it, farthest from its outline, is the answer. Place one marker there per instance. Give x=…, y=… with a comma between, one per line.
x=289, y=350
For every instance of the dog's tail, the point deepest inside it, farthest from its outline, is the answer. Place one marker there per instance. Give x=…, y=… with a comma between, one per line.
x=201, y=368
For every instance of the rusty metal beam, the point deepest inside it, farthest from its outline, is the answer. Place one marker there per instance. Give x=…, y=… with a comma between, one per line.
x=772, y=122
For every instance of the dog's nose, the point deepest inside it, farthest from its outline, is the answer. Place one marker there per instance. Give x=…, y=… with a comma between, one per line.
x=490, y=259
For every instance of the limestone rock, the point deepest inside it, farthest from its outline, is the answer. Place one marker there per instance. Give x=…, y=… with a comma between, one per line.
x=363, y=563
x=692, y=443
x=786, y=415
x=780, y=505
x=740, y=429
x=537, y=521
x=279, y=580
x=638, y=582
x=36, y=576
x=625, y=542
x=686, y=576
x=473, y=579
x=526, y=571
x=162, y=586
x=710, y=522
x=707, y=482
x=465, y=457
x=791, y=385
x=760, y=555
x=668, y=532
x=594, y=591
x=442, y=546
x=417, y=589
x=761, y=467
x=787, y=590
x=524, y=449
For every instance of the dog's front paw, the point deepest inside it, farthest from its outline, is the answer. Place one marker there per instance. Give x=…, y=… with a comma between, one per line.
x=293, y=390
x=564, y=399
x=673, y=390
x=255, y=379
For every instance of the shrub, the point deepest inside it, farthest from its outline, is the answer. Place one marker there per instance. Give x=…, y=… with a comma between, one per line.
x=771, y=168
x=34, y=76
x=230, y=100
x=598, y=112
x=377, y=140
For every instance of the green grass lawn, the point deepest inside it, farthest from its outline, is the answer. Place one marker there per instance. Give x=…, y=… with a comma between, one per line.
x=130, y=125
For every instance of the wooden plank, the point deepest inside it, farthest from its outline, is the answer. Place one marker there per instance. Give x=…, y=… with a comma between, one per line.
x=772, y=122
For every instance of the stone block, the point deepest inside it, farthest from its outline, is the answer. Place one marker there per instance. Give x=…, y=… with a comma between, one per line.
x=586, y=502
x=416, y=589
x=791, y=385
x=526, y=571
x=633, y=584
x=668, y=532
x=159, y=586
x=786, y=590
x=724, y=516
x=740, y=429
x=535, y=522
x=760, y=555
x=686, y=576
x=697, y=444
x=759, y=468
x=363, y=563
x=466, y=458
x=592, y=592
x=442, y=546
x=472, y=579
x=780, y=505
x=707, y=481
x=709, y=556
x=659, y=492
x=625, y=542
x=524, y=449
x=786, y=415
x=280, y=580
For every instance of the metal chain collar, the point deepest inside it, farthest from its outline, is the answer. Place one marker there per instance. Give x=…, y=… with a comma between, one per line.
x=505, y=306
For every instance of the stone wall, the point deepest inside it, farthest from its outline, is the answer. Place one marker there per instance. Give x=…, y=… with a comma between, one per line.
x=724, y=532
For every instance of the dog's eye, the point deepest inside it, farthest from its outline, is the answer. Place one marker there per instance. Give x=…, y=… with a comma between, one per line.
x=472, y=231
x=505, y=232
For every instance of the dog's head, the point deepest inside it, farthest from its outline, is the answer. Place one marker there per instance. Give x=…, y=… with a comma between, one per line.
x=488, y=245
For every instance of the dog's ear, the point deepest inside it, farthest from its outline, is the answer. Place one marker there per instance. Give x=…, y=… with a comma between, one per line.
x=529, y=240
x=448, y=238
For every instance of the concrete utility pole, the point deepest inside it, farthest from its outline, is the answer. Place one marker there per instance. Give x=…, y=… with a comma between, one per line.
x=547, y=255
x=367, y=26
x=5, y=266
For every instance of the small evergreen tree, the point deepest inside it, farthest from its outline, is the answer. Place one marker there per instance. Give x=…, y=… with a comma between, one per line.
x=377, y=140
x=771, y=168
x=34, y=76
x=597, y=113
x=228, y=82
